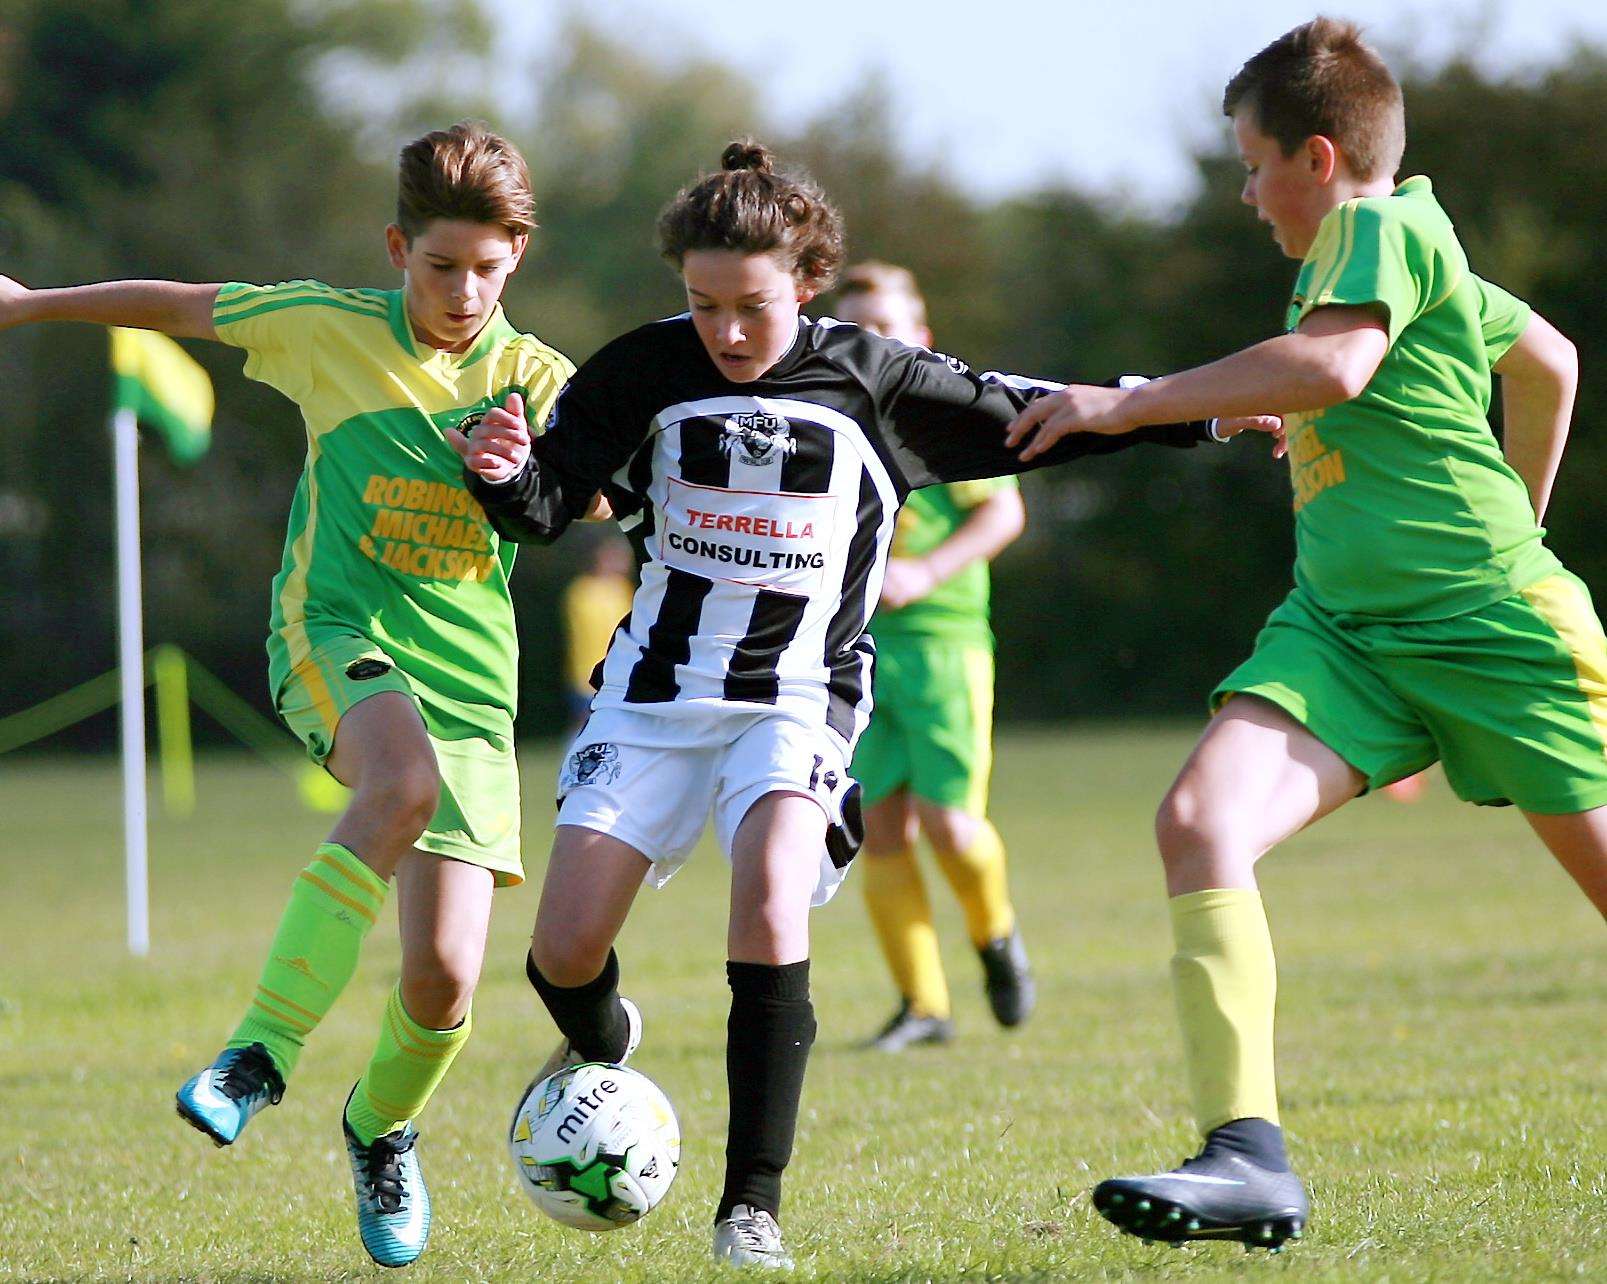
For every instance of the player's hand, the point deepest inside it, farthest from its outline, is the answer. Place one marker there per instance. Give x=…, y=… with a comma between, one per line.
x=499, y=446
x=908, y=579
x=1272, y=425
x=12, y=295
x=1075, y=408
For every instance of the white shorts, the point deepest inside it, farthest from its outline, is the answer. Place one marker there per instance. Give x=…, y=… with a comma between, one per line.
x=650, y=779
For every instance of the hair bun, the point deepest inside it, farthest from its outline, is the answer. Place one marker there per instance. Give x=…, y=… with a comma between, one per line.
x=747, y=154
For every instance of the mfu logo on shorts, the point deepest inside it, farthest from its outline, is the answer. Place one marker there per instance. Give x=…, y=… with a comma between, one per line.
x=755, y=437
x=596, y=764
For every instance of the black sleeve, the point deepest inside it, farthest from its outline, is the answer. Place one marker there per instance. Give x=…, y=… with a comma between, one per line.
x=595, y=427
x=945, y=423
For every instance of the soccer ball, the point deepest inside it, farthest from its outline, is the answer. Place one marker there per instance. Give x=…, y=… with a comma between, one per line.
x=596, y=1146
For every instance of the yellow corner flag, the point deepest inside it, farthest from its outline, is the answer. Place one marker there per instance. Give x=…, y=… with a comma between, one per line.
x=165, y=388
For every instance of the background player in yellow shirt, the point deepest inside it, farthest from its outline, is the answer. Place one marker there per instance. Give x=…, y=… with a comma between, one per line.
x=392, y=651
x=924, y=760
x=1428, y=619
x=594, y=603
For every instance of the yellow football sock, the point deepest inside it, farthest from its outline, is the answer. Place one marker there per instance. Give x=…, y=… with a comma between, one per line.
x=408, y=1065
x=1226, y=983
x=896, y=898
x=333, y=903
x=977, y=876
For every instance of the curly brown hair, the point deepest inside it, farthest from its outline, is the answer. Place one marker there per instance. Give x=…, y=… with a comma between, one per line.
x=751, y=207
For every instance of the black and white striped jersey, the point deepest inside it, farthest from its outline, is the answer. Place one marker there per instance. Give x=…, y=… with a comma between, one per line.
x=764, y=511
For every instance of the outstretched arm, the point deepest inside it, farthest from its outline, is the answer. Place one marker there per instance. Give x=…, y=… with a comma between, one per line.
x=177, y=308
x=1329, y=359
x=1539, y=376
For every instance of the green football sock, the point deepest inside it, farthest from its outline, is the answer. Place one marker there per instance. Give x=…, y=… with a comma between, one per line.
x=333, y=904
x=1226, y=984
x=408, y=1065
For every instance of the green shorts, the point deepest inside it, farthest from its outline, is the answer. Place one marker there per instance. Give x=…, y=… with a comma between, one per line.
x=477, y=820
x=1512, y=698
x=931, y=727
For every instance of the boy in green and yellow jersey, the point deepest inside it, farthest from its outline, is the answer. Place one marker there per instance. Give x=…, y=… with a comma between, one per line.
x=392, y=651
x=1428, y=619
x=925, y=758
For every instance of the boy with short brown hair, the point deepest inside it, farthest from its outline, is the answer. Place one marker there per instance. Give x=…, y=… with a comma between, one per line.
x=392, y=651
x=1428, y=620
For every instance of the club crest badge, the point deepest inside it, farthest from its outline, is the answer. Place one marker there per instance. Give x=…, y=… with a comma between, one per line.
x=594, y=764
x=756, y=438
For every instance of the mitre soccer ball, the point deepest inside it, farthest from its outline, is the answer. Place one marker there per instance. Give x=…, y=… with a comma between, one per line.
x=596, y=1146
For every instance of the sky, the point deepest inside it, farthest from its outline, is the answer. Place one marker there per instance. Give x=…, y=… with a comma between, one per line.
x=1007, y=94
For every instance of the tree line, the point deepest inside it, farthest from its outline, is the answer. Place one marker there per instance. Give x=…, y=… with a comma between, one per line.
x=212, y=141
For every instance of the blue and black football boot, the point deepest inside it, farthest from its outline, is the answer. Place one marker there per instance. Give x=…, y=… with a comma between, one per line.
x=393, y=1203
x=221, y=1100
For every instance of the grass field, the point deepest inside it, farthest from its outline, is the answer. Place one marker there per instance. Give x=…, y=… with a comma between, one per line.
x=1442, y=1019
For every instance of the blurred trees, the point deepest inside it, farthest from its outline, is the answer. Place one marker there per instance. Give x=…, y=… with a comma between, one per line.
x=205, y=140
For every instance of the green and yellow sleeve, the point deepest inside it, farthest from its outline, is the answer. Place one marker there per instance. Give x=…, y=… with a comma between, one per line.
x=1367, y=254
x=279, y=326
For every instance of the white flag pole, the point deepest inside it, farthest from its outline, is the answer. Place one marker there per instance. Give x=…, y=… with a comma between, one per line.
x=131, y=669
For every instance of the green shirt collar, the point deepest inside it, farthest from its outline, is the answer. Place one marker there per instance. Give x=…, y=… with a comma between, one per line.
x=494, y=330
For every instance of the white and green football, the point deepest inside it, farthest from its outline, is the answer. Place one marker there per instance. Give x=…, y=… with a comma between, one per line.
x=596, y=1146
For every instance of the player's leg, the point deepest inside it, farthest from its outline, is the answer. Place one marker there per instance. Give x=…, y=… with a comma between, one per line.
x=972, y=856
x=895, y=892
x=634, y=797
x=1579, y=842
x=591, y=882
x=444, y=910
x=1517, y=694
x=951, y=764
x=1256, y=777
x=775, y=868
x=378, y=747
x=895, y=896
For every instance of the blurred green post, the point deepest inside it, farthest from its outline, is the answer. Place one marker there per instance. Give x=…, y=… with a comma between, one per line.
x=170, y=673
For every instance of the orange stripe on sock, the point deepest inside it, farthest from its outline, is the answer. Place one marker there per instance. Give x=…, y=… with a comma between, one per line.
x=294, y=1007
x=385, y=1109
x=282, y=1018
x=365, y=886
x=409, y=1045
x=329, y=891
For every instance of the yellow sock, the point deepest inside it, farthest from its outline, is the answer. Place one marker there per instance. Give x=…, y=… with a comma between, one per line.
x=1226, y=983
x=977, y=876
x=902, y=915
x=408, y=1065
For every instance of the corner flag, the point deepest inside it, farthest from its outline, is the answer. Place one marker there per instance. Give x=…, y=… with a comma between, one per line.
x=165, y=388
x=155, y=382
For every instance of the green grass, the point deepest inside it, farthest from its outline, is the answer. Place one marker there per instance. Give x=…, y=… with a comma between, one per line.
x=1441, y=1043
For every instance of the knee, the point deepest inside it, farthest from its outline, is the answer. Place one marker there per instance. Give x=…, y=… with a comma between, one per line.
x=769, y=931
x=1188, y=825
x=950, y=831
x=405, y=797
x=438, y=987
x=570, y=958
x=889, y=826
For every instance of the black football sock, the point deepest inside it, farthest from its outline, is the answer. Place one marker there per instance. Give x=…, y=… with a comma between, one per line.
x=768, y=1037
x=590, y=1016
x=1258, y=1140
